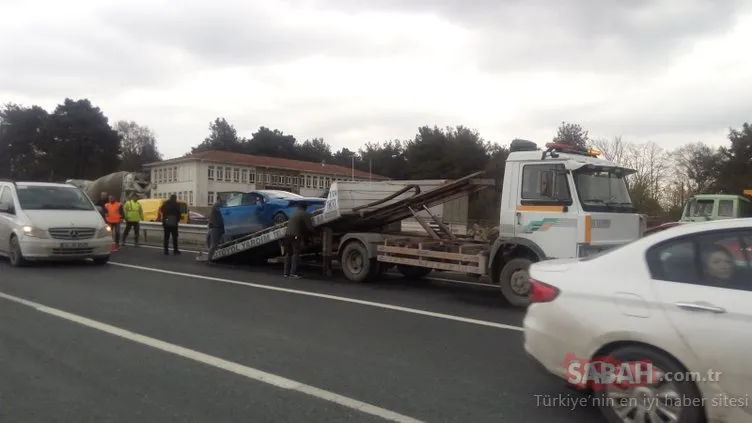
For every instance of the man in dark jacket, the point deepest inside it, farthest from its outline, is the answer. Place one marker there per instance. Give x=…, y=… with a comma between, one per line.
x=170, y=214
x=298, y=228
x=216, y=228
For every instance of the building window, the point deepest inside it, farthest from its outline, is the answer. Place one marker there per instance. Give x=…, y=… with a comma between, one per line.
x=244, y=176
x=307, y=183
x=236, y=175
x=190, y=198
x=252, y=175
x=328, y=181
x=228, y=174
x=220, y=173
x=210, y=173
x=210, y=199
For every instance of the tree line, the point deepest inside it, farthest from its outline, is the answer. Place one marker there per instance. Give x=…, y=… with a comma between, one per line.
x=77, y=141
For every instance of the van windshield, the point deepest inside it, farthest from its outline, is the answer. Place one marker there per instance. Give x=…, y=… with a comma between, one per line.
x=40, y=197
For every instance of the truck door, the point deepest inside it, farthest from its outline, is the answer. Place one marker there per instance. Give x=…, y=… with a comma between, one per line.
x=543, y=213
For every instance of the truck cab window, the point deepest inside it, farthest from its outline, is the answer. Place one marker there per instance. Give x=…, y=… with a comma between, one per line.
x=545, y=183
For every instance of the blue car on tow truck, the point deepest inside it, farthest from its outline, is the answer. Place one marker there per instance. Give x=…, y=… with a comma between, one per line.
x=248, y=212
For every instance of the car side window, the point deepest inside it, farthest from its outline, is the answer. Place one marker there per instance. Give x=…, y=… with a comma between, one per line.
x=674, y=261
x=6, y=198
x=258, y=199
x=720, y=259
x=249, y=199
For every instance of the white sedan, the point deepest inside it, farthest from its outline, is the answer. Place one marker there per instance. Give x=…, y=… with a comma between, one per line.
x=659, y=330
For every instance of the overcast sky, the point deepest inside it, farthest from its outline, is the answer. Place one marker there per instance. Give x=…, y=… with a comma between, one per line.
x=666, y=71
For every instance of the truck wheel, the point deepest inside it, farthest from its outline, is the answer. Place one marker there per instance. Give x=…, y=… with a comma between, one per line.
x=356, y=265
x=413, y=272
x=515, y=281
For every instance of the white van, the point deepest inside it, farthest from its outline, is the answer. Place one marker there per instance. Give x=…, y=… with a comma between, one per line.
x=46, y=221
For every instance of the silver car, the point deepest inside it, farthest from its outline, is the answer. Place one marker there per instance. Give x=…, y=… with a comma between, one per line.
x=47, y=221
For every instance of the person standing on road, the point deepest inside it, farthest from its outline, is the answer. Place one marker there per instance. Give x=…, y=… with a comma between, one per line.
x=170, y=213
x=113, y=217
x=134, y=214
x=299, y=227
x=216, y=228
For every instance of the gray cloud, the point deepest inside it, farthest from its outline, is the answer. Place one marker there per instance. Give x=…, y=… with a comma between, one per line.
x=57, y=62
x=239, y=34
x=577, y=35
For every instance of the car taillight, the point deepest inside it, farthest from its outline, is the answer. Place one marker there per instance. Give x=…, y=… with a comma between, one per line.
x=542, y=292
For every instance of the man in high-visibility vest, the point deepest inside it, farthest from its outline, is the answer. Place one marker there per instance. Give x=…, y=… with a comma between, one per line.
x=134, y=214
x=114, y=216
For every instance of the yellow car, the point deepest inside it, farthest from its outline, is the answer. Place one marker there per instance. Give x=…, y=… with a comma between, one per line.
x=151, y=208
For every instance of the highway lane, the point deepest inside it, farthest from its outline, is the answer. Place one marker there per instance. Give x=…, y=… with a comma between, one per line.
x=472, y=301
x=428, y=368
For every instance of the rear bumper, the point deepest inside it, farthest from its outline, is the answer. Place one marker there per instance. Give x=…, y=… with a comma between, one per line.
x=52, y=249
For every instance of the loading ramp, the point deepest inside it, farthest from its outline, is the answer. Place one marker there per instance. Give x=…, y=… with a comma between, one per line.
x=341, y=214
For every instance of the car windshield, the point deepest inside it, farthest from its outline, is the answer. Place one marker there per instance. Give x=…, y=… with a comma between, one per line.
x=279, y=194
x=700, y=208
x=603, y=190
x=41, y=197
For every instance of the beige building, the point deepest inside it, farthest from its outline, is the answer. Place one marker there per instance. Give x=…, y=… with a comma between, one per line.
x=198, y=178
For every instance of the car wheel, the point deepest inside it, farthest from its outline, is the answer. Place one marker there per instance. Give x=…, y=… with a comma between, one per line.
x=655, y=399
x=16, y=256
x=280, y=218
x=514, y=281
x=101, y=261
x=355, y=263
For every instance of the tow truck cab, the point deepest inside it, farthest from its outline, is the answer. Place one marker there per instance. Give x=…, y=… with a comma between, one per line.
x=560, y=202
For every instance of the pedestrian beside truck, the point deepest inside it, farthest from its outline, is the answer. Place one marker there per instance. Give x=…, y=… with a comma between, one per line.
x=170, y=215
x=134, y=214
x=299, y=227
x=216, y=228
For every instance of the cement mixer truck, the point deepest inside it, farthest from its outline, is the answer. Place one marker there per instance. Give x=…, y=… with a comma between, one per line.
x=120, y=184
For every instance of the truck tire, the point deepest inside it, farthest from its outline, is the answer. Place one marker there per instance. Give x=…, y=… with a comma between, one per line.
x=413, y=272
x=514, y=281
x=355, y=263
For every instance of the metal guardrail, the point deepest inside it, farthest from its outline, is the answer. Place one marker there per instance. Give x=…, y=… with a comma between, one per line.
x=183, y=228
x=191, y=233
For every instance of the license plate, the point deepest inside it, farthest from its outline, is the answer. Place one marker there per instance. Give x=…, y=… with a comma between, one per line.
x=73, y=245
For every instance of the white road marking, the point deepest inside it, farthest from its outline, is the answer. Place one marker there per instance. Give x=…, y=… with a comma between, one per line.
x=239, y=369
x=427, y=278
x=327, y=296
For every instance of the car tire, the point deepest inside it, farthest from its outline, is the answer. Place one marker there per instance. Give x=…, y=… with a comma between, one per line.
x=685, y=392
x=355, y=263
x=101, y=261
x=15, y=256
x=279, y=218
x=512, y=275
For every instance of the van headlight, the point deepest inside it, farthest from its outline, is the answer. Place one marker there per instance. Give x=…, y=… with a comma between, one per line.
x=34, y=232
x=105, y=232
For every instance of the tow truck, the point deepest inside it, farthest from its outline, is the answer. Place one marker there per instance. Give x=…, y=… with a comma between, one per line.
x=556, y=202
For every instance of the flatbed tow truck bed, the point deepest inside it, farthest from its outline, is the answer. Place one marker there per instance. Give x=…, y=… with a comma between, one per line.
x=358, y=207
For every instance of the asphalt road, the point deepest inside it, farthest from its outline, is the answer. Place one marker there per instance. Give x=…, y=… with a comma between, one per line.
x=155, y=338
